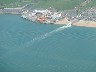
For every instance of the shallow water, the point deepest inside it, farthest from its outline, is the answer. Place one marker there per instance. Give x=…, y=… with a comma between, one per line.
x=31, y=47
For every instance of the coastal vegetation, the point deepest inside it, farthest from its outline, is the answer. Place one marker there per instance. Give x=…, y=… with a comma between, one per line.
x=58, y=4
x=86, y=4
x=53, y=11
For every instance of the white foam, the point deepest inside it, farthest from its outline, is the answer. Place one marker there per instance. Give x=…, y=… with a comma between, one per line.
x=52, y=32
x=29, y=43
x=47, y=34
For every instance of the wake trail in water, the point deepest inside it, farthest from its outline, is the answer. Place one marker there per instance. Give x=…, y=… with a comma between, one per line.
x=29, y=43
x=46, y=35
x=50, y=33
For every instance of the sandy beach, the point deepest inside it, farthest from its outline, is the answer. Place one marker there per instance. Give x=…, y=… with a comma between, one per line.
x=78, y=23
x=84, y=23
x=63, y=21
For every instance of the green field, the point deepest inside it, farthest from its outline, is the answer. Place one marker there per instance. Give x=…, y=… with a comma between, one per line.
x=58, y=4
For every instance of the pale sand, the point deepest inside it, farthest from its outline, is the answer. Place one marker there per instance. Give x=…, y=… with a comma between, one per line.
x=84, y=23
x=78, y=23
x=63, y=21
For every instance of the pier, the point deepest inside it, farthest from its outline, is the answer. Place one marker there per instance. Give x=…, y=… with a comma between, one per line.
x=17, y=10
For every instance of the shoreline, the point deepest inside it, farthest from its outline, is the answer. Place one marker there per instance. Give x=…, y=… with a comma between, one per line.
x=63, y=21
x=11, y=11
x=78, y=23
x=84, y=23
x=16, y=10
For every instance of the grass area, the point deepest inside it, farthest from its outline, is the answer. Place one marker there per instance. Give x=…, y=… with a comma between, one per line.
x=58, y=4
x=12, y=3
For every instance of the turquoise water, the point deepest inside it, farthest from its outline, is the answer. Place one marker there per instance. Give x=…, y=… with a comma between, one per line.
x=30, y=47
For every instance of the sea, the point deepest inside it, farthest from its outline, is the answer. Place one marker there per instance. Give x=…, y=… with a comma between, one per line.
x=26, y=46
